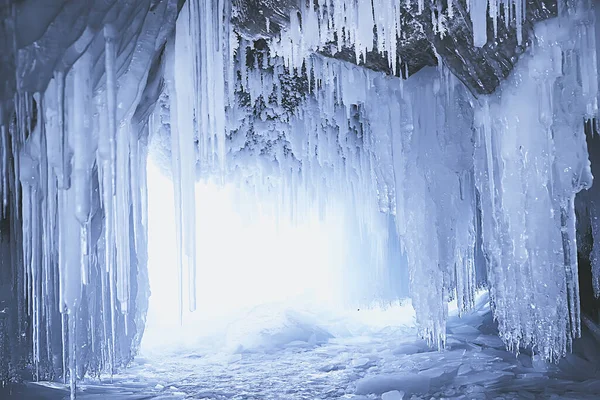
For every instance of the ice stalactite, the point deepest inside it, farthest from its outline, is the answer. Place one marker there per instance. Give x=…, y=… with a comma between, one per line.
x=433, y=155
x=363, y=26
x=199, y=72
x=478, y=11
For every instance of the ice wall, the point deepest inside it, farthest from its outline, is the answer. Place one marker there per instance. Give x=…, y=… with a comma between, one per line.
x=74, y=281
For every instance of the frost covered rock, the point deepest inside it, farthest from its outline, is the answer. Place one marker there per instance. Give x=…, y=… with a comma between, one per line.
x=483, y=66
x=480, y=49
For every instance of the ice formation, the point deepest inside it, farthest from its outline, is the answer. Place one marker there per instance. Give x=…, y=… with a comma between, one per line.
x=73, y=168
x=367, y=26
x=480, y=190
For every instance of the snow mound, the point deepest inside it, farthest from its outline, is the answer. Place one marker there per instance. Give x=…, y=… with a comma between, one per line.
x=265, y=329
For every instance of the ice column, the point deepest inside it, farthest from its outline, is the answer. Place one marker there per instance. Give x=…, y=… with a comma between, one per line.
x=530, y=163
x=432, y=158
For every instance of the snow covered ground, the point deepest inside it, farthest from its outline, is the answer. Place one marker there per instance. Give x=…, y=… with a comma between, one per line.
x=272, y=354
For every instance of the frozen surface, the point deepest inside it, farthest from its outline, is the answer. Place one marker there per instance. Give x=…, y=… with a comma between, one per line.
x=369, y=361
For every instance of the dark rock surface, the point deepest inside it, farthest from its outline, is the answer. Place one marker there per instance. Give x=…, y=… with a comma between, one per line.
x=481, y=69
x=250, y=17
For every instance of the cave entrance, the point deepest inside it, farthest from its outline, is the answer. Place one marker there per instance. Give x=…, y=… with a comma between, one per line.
x=256, y=270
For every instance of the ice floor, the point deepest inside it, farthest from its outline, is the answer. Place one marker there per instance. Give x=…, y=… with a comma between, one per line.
x=285, y=355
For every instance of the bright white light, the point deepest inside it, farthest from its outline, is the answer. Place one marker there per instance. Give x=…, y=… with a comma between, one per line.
x=250, y=263
x=242, y=262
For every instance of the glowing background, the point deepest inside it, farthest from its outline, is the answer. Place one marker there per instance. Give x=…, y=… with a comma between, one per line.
x=251, y=266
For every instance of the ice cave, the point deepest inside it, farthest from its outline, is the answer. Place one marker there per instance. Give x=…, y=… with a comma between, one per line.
x=299, y=199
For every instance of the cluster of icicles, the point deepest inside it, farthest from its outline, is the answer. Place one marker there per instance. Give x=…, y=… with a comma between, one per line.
x=457, y=174
x=377, y=25
x=74, y=164
x=454, y=172
x=74, y=188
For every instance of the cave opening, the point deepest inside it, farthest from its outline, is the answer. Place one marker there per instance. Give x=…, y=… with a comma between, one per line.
x=257, y=264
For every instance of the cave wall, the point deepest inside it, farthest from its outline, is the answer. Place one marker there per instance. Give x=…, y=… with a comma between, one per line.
x=41, y=44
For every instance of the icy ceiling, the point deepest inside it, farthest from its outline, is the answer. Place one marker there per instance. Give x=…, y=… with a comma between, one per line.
x=476, y=161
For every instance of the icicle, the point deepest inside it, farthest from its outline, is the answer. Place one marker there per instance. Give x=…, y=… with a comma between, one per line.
x=72, y=324
x=176, y=167
x=494, y=14
x=567, y=218
x=83, y=146
x=478, y=13
x=184, y=160
x=63, y=172
x=46, y=297
x=5, y=167
x=220, y=91
x=520, y=17
x=143, y=159
x=465, y=249
x=122, y=231
x=111, y=98
x=69, y=255
x=107, y=154
x=65, y=348
x=136, y=186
